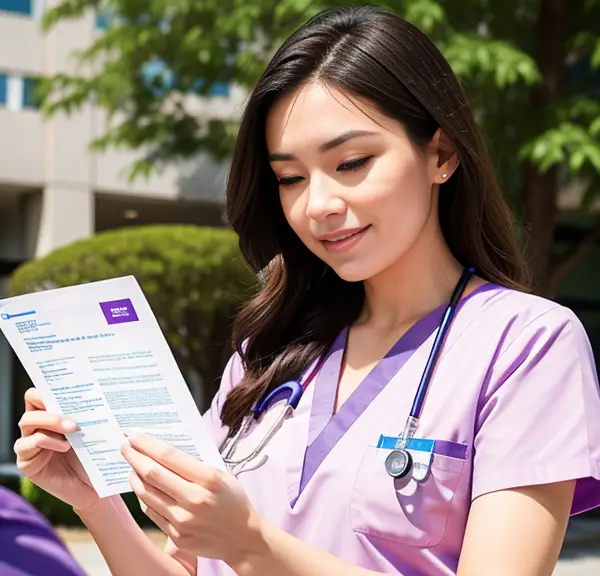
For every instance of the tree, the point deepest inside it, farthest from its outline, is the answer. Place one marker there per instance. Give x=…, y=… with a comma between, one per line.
x=529, y=66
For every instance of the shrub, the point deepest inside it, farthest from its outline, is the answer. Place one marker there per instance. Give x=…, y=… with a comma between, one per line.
x=194, y=279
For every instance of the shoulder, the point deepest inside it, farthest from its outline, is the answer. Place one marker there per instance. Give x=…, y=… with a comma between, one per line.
x=28, y=543
x=539, y=397
x=233, y=374
x=12, y=506
x=513, y=316
x=532, y=339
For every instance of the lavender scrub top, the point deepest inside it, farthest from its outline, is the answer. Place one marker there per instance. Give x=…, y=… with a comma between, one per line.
x=514, y=401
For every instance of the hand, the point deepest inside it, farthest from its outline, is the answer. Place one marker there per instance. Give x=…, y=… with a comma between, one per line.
x=45, y=456
x=204, y=511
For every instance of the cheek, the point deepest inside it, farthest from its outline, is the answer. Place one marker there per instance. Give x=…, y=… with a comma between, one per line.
x=294, y=212
x=399, y=193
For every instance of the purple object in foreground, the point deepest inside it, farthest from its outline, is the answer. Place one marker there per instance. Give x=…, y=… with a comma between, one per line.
x=28, y=544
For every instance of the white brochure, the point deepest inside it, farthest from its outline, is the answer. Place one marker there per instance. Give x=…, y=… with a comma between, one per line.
x=97, y=354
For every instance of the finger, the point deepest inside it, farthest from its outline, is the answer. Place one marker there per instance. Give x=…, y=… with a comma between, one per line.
x=147, y=495
x=40, y=419
x=161, y=523
x=33, y=400
x=182, y=464
x=33, y=466
x=28, y=447
x=153, y=498
x=156, y=475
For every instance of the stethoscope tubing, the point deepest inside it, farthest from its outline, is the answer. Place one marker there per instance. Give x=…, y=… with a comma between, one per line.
x=419, y=399
x=296, y=390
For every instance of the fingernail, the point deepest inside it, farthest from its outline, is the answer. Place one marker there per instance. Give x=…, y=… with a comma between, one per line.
x=69, y=425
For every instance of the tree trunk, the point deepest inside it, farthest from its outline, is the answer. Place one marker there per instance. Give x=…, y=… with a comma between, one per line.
x=540, y=191
x=539, y=203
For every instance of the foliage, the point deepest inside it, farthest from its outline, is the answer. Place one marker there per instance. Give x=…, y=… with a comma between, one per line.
x=529, y=66
x=229, y=41
x=194, y=279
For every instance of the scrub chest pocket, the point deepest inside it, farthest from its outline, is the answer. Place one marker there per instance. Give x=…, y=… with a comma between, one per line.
x=405, y=511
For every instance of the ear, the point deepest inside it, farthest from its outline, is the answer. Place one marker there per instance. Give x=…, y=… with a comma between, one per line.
x=444, y=151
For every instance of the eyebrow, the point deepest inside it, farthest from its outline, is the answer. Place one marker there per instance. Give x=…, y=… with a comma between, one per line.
x=329, y=145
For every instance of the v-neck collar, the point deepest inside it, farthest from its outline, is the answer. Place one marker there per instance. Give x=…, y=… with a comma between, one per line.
x=326, y=428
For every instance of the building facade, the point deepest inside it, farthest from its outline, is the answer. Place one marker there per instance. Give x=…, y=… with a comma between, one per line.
x=53, y=190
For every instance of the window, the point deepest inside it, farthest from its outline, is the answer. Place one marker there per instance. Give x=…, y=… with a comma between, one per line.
x=3, y=89
x=217, y=89
x=220, y=89
x=102, y=20
x=17, y=6
x=30, y=98
x=160, y=80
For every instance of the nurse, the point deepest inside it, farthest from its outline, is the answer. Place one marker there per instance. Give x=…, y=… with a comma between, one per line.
x=361, y=187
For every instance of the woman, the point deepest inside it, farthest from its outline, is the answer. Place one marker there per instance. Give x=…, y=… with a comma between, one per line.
x=361, y=185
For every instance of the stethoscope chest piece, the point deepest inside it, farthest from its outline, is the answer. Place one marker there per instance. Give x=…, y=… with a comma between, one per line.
x=399, y=463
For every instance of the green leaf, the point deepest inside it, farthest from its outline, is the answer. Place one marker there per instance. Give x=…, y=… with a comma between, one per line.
x=576, y=160
x=426, y=14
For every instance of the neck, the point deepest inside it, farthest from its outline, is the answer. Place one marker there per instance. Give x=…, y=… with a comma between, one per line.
x=413, y=286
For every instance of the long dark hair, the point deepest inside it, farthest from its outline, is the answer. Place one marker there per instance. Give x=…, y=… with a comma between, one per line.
x=302, y=304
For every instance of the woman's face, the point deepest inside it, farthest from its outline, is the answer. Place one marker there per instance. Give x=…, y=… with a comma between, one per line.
x=352, y=187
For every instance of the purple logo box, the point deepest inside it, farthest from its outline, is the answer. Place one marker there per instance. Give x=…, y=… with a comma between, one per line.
x=119, y=311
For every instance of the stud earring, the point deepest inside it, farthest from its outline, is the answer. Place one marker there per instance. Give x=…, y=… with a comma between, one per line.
x=444, y=175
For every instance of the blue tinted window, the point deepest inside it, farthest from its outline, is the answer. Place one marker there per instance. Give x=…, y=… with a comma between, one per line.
x=3, y=83
x=160, y=79
x=157, y=77
x=30, y=98
x=220, y=89
x=217, y=89
x=18, y=6
x=102, y=20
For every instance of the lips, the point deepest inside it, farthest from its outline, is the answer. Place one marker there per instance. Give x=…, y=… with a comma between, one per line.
x=344, y=241
x=338, y=238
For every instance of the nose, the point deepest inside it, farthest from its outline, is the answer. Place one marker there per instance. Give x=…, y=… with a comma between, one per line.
x=323, y=200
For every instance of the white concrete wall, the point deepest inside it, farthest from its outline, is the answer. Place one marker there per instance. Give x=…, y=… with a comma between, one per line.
x=21, y=44
x=34, y=152
x=21, y=148
x=54, y=156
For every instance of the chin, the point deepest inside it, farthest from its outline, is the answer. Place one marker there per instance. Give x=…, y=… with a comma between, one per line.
x=354, y=272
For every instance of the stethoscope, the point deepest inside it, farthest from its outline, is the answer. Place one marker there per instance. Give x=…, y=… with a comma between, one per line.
x=293, y=390
x=399, y=462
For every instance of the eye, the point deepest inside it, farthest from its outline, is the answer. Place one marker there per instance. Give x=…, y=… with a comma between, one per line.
x=353, y=165
x=290, y=180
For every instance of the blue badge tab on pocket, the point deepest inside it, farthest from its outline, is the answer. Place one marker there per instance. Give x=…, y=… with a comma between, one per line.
x=421, y=444
x=421, y=449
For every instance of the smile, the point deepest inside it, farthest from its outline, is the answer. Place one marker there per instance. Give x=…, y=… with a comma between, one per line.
x=344, y=242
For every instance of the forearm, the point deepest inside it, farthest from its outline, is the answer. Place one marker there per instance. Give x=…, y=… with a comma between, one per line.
x=125, y=547
x=280, y=554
